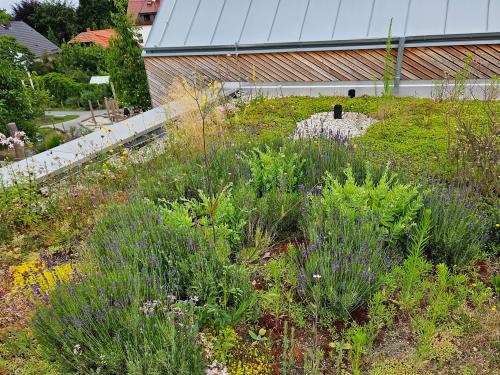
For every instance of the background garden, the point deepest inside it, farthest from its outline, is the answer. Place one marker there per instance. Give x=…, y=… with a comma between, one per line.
x=61, y=81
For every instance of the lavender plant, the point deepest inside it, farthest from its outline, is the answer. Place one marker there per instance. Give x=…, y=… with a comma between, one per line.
x=344, y=258
x=459, y=226
x=140, y=263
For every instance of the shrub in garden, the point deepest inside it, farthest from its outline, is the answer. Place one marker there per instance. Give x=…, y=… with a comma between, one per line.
x=275, y=178
x=148, y=270
x=60, y=86
x=344, y=258
x=275, y=170
x=355, y=232
x=459, y=227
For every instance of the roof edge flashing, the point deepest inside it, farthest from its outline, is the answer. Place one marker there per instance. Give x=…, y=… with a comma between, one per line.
x=373, y=43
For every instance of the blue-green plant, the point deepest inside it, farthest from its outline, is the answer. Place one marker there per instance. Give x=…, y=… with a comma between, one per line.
x=145, y=268
x=345, y=258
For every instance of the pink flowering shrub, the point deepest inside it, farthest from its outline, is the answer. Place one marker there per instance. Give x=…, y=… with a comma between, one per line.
x=18, y=139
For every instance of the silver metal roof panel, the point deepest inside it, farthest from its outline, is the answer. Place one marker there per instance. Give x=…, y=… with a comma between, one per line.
x=466, y=16
x=383, y=11
x=319, y=20
x=259, y=21
x=183, y=26
x=288, y=21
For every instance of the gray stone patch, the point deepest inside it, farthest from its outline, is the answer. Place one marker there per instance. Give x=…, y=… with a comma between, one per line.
x=323, y=125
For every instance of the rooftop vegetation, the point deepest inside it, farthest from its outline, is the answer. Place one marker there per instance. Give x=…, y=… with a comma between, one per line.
x=229, y=248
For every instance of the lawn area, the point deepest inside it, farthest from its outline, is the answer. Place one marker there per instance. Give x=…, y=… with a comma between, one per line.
x=260, y=255
x=50, y=120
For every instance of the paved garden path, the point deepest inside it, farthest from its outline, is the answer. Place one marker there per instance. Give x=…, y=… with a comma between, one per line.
x=66, y=126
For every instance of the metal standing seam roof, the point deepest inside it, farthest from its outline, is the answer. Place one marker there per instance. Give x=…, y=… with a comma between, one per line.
x=186, y=27
x=29, y=37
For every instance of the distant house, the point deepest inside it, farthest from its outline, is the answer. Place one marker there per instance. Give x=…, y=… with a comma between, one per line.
x=94, y=37
x=329, y=43
x=29, y=37
x=143, y=13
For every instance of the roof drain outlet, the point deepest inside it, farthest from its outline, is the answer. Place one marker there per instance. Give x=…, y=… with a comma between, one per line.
x=337, y=112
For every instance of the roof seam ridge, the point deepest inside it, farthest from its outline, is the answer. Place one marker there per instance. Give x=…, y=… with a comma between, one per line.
x=218, y=21
x=274, y=20
x=168, y=22
x=304, y=19
x=371, y=18
x=336, y=19
x=407, y=17
x=244, y=22
x=192, y=22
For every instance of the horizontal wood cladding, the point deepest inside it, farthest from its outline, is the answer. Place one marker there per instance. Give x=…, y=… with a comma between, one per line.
x=320, y=66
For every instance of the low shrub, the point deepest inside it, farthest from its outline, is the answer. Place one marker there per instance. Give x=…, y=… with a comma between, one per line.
x=459, y=227
x=60, y=86
x=344, y=258
x=275, y=170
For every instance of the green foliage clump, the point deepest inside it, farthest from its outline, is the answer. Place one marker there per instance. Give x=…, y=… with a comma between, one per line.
x=60, y=86
x=17, y=55
x=275, y=170
x=55, y=19
x=89, y=60
x=19, y=102
x=155, y=266
x=396, y=205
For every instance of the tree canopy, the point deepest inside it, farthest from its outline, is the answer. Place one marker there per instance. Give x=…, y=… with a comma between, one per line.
x=19, y=102
x=95, y=14
x=125, y=63
x=55, y=19
x=24, y=11
x=17, y=55
x=4, y=16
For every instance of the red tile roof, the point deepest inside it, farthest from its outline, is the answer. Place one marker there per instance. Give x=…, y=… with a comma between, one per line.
x=97, y=37
x=136, y=7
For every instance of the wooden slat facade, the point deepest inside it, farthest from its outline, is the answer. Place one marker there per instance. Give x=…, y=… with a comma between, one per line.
x=425, y=63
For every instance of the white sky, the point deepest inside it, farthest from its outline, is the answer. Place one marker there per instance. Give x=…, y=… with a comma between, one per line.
x=7, y=4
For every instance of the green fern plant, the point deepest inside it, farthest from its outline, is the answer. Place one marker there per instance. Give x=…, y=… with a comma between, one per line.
x=415, y=267
x=397, y=205
x=274, y=170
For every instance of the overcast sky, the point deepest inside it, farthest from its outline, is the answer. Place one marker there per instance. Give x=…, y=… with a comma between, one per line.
x=7, y=4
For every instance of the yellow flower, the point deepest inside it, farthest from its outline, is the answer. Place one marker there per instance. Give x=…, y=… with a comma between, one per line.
x=474, y=284
x=494, y=308
x=498, y=225
x=36, y=273
x=111, y=151
x=203, y=102
x=120, y=145
x=124, y=153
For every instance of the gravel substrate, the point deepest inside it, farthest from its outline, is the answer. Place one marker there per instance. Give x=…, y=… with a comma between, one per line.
x=323, y=125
